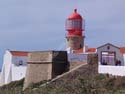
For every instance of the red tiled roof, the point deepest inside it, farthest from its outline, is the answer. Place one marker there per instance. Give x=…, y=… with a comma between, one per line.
x=91, y=50
x=78, y=51
x=122, y=50
x=19, y=53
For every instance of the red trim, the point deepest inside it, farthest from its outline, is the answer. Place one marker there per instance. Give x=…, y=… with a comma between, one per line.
x=122, y=50
x=19, y=53
x=78, y=51
x=92, y=50
x=75, y=15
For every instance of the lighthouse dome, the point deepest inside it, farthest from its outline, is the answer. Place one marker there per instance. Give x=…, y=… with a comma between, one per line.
x=75, y=15
x=74, y=24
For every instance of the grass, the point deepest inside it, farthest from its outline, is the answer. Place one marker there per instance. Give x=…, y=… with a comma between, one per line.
x=15, y=87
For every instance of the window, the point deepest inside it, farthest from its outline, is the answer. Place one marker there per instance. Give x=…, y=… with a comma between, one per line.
x=108, y=58
x=108, y=47
x=67, y=39
x=20, y=62
x=74, y=24
x=80, y=46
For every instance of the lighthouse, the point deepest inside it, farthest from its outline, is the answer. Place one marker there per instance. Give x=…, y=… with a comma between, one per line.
x=75, y=28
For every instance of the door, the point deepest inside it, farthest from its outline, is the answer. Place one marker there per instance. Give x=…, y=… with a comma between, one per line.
x=108, y=58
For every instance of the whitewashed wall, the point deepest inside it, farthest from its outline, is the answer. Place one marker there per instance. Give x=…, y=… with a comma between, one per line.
x=114, y=70
x=124, y=59
x=6, y=68
x=77, y=57
x=11, y=70
x=18, y=71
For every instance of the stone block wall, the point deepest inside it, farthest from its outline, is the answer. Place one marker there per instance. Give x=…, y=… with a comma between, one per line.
x=92, y=58
x=75, y=42
x=45, y=65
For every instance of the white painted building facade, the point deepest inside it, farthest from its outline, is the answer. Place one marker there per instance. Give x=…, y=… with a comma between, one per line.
x=80, y=55
x=72, y=57
x=110, y=54
x=14, y=66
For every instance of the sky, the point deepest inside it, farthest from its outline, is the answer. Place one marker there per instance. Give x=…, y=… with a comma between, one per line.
x=30, y=25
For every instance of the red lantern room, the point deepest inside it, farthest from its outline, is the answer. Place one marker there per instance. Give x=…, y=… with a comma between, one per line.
x=74, y=24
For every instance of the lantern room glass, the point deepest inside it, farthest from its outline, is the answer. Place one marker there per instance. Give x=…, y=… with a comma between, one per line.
x=75, y=24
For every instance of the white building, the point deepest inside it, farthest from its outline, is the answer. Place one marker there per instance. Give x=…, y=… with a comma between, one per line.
x=80, y=55
x=14, y=66
x=111, y=59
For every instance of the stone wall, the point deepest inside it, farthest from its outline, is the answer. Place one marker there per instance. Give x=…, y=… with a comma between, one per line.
x=45, y=65
x=37, y=72
x=60, y=63
x=75, y=42
x=40, y=56
x=92, y=58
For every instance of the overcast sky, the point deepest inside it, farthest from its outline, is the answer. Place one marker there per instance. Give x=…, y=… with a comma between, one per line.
x=40, y=24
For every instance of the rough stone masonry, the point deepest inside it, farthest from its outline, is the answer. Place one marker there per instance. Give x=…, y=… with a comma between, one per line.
x=45, y=65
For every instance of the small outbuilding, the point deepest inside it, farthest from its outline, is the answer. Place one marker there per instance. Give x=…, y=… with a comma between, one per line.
x=14, y=66
x=111, y=59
